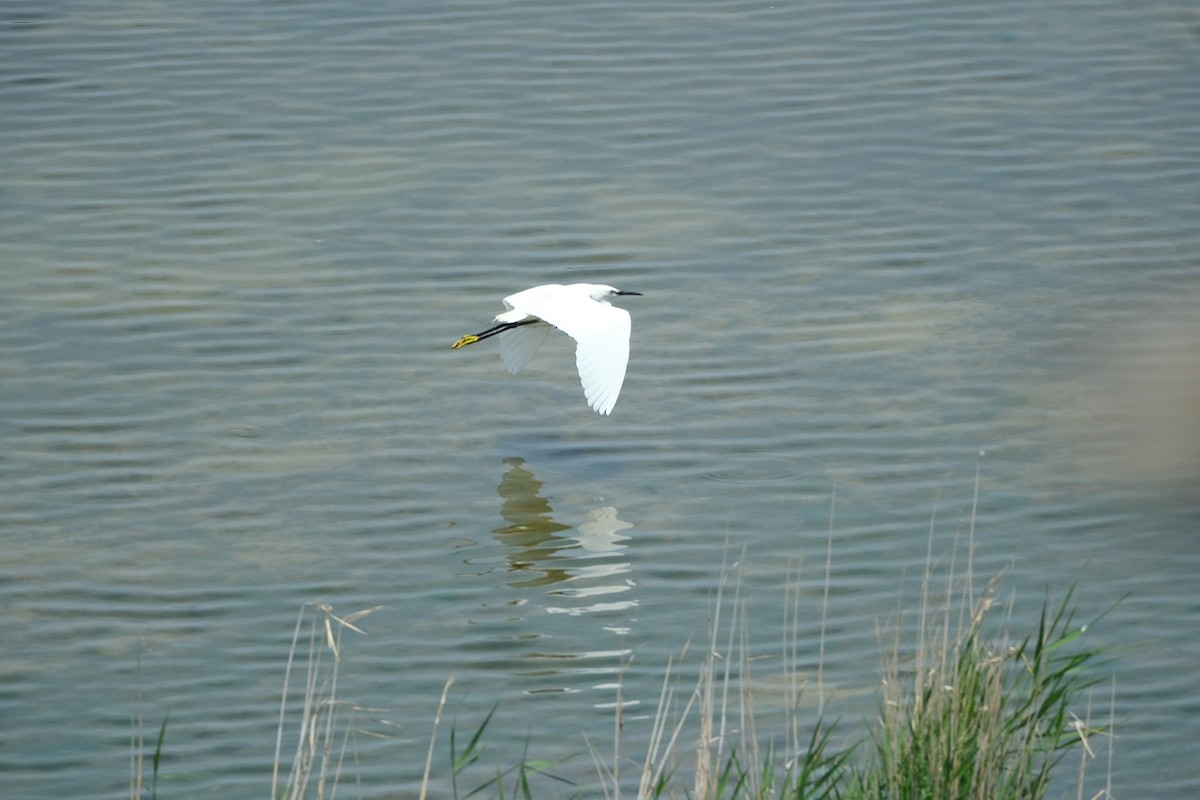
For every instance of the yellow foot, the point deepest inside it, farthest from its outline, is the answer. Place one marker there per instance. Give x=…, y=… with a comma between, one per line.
x=464, y=341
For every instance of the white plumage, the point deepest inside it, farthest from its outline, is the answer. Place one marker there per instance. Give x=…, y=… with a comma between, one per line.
x=583, y=312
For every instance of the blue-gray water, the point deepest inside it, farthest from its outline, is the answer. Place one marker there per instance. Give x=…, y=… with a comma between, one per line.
x=874, y=239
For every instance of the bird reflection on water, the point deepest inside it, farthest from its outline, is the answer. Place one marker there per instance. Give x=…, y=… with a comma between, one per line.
x=531, y=537
x=582, y=570
x=534, y=542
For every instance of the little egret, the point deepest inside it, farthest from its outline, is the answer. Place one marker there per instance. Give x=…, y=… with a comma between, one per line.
x=580, y=310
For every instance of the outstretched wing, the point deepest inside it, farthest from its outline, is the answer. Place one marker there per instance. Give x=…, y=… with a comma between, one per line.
x=602, y=358
x=518, y=345
x=601, y=333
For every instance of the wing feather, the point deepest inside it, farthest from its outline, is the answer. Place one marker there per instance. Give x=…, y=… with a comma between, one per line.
x=602, y=362
x=518, y=345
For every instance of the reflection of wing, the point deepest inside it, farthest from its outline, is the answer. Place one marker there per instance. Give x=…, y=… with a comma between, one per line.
x=600, y=533
x=601, y=332
x=518, y=345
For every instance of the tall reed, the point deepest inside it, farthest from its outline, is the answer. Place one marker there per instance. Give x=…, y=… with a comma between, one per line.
x=711, y=747
x=319, y=706
x=972, y=712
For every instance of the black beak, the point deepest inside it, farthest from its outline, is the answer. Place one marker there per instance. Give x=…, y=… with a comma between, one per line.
x=639, y=294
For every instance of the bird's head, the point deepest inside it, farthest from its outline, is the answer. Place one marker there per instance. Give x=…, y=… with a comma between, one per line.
x=600, y=293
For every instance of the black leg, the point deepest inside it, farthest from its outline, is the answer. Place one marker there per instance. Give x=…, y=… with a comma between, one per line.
x=492, y=331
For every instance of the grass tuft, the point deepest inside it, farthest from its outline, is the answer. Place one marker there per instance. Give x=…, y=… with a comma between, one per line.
x=978, y=716
x=966, y=711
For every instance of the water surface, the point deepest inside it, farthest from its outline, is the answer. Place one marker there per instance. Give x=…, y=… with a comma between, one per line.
x=875, y=240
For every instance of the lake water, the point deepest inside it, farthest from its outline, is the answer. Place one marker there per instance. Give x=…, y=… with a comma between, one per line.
x=874, y=239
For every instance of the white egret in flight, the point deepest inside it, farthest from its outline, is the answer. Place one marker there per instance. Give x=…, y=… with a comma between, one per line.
x=583, y=312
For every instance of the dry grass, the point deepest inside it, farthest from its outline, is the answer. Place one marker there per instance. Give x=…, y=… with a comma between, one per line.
x=972, y=712
x=977, y=714
x=966, y=711
x=137, y=746
x=319, y=706
x=708, y=746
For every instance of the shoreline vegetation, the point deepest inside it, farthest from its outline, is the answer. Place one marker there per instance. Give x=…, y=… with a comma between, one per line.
x=966, y=709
